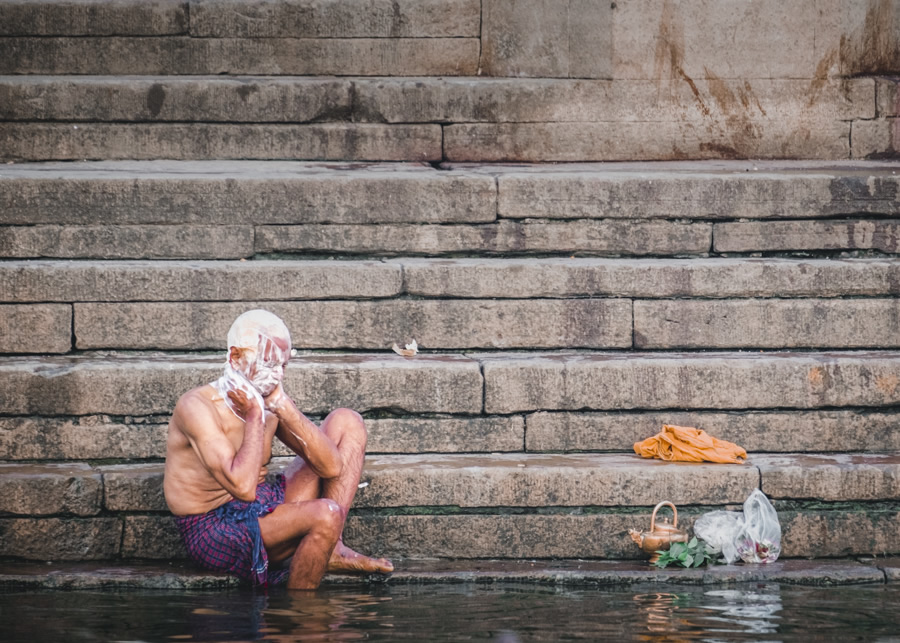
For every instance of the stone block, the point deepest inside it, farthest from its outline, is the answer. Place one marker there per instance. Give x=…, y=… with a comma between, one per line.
x=547, y=38
x=142, y=384
x=869, y=38
x=839, y=477
x=329, y=19
x=44, y=280
x=819, y=533
x=600, y=535
x=834, y=533
x=240, y=56
x=445, y=435
x=613, y=381
x=712, y=278
x=201, y=141
x=87, y=438
x=126, y=242
x=173, y=98
x=666, y=141
x=61, y=538
x=520, y=480
x=133, y=487
x=701, y=190
x=38, y=328
x=609, y=237
x=152, y=537
x=878, y=138
x=887, y=93
x=780, y=236
x=736, y=107
x=756, y=431
x=683, y=42
x=241, y=192
x=767, y=323
x=374, y=325
x=94, y=18
x=47, y=489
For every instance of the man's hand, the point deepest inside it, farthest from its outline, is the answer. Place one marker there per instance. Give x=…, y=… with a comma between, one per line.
x=277, y=400
x=244, y=406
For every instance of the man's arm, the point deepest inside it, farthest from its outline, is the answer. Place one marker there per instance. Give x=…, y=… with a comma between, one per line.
x=303, y=437
x=237, y=471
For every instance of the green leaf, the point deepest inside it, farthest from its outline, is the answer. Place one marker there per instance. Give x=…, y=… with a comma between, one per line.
x=693, y=543
x=688, y=560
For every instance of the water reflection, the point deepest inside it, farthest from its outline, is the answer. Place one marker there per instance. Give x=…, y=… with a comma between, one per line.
x=501, y=613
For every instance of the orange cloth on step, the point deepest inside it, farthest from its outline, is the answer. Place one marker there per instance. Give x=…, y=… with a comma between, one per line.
x=687, y=444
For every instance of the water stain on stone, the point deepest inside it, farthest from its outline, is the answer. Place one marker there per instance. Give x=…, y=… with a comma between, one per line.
x=873, y=47
x=245, y=91
x=155, y=99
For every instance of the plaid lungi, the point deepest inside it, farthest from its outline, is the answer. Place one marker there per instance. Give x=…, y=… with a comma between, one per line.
x=228, y=537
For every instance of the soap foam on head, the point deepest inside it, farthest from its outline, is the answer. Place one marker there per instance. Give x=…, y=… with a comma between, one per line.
x=260, y=370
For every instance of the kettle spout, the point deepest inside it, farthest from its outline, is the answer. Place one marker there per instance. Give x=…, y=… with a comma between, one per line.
x=636, y=536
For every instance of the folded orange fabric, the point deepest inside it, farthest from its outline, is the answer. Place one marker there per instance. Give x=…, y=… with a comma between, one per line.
x=687, y=444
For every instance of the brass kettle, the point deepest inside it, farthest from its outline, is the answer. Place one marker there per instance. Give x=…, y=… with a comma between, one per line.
x=661, y=536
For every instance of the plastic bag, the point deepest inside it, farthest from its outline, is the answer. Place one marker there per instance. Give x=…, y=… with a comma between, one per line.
x=720, y=531
x=760, y=538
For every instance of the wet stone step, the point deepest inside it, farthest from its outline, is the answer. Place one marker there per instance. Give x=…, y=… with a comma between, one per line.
x=144, y=384
x=88, y=576
x=814, y=531
x=776, y=236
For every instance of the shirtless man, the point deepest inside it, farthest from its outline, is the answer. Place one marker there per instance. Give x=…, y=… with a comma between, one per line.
x=219, y=442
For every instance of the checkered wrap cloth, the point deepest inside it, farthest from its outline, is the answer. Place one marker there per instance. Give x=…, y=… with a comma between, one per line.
x=228, y=538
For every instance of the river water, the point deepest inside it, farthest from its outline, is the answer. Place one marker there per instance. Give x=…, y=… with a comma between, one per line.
x=459, y=612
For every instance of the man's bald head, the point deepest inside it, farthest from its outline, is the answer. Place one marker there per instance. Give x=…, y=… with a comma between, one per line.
x=259, y=347
x=253, y=325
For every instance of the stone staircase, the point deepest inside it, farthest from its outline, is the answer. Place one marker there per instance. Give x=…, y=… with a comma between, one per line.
x=349, y=166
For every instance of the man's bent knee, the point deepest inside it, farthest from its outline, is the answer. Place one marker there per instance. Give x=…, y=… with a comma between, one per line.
x=350, y=423
x=328, y=518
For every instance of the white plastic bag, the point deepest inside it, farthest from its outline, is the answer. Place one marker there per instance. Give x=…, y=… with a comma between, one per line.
x=760, y=538
x=720, y=530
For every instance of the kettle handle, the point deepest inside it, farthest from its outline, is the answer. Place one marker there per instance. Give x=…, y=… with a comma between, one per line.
x=664, y=503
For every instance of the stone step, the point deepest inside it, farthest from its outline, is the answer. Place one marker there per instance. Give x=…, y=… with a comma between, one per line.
x=461, y=324
x=397, y=100
x=709, y=44
x=230, y=18
x=512, y=505
x=556, y=573
x=136, y=384
x=279, y=193
x=144, y=438
x=150, y=383
x=47, y=281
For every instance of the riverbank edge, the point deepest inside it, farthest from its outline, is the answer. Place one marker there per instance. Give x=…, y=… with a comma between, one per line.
x=591, y=573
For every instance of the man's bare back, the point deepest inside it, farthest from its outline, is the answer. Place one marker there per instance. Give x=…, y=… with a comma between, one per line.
x=220, y=441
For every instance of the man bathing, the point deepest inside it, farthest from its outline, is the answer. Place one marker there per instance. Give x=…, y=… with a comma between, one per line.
x=219, y=442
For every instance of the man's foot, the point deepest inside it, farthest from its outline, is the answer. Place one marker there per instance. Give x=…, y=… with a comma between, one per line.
x=344, y=559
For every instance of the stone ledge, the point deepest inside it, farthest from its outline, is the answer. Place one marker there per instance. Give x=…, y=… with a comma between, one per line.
x=241, y=193
x=180, y=576
x=579, y=381
x=150, y=383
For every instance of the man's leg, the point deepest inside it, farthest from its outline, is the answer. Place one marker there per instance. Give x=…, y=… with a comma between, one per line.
x=347, y=430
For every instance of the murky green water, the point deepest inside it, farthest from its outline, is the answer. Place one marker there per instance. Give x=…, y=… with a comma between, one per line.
x=506, y=613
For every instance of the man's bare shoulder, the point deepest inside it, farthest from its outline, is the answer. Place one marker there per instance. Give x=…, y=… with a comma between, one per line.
x=197, y=406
